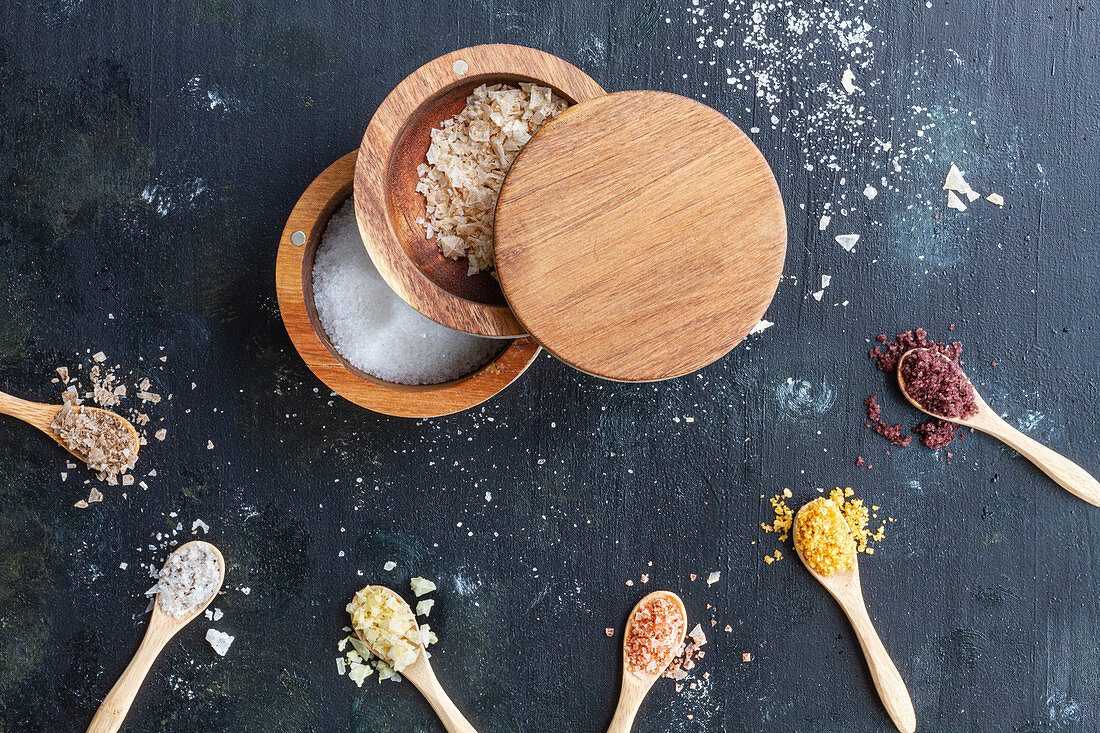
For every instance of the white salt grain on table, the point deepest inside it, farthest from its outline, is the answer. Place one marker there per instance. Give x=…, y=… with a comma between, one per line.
x=373, y=328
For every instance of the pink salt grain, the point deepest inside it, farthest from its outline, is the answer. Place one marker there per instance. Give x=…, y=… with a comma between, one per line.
x=656, y=632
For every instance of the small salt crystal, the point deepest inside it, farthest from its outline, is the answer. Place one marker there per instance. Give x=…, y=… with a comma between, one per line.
x=219, y=641
x=199, y=524
x=996, y=198
x=209, y=445
x=390, y=565
x=825, y=280
x=817, y=294
x=847, y=241
x=246, y=590
x=824, y=222
x=122, y=566
x=847, y=80
x=870, y=192
x=761, y=326
x=954, y=202
x=713, y=578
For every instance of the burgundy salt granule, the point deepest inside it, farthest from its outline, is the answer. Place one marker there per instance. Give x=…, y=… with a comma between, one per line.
x=938, y=385
x=939, y=398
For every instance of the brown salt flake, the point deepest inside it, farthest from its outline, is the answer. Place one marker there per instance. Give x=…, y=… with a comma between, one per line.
x=141, y=419
x=148, y=396
x=161, y=434
x=645, y=578
x=81, y=504
x=609, y=631
x=101, y=438
x=99, y=357
x=63, y=372
x=128, y=479
x=728, y=628
x=95, y=496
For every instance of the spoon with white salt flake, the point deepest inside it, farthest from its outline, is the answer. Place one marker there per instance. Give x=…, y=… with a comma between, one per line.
x=824, y=544
x=191, y=578
x=105, y=441
x=654, y=635
x=385, y=623
x=1062, y=470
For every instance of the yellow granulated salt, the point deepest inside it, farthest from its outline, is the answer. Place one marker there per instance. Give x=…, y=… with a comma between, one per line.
x=823, y=537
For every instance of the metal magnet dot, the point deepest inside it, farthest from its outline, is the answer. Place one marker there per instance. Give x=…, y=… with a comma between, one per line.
x=298, y=238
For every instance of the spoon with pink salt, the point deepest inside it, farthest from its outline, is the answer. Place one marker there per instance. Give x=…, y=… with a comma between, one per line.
x=191, y=578
x=937, y=386
x=653, y=637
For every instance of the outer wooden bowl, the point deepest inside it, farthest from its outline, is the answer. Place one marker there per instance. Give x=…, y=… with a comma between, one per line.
x=396, y=142
x=294, y=285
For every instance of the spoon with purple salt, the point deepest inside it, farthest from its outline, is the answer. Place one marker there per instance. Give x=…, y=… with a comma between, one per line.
x=938, y=386
x=190, y=579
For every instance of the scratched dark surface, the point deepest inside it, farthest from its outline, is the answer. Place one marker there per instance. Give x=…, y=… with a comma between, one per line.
x=985, y=590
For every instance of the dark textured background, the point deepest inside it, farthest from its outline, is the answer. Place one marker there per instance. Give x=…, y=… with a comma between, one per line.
x=985, y=590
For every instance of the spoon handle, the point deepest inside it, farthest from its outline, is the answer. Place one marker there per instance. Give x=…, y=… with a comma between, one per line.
x=112, y=712
x=891, y=688
x=34, y=413
x=436, y=696
x=1065, y=472
x=630, y=699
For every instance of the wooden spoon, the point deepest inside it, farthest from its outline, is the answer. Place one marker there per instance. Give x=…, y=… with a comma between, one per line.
x=845, y=588
x=162, y=627
x=41, y=416
x=636, y=684
x=1065, y=472
x=423, y=678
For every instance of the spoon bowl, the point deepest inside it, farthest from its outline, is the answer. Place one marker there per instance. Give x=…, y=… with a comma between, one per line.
x=1063, y=471
x=162, y=627
x=845, y=587
x=41, y=416
x=637, y=684
x=421, y=675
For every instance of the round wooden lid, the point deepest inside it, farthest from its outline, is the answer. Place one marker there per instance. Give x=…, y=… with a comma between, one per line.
x=639, y=236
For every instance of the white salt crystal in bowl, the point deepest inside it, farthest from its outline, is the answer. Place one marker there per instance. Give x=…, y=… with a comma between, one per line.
x=358, y=336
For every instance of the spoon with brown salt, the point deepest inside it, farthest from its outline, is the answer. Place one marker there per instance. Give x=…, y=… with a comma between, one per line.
x=191, y=578
x=654, y=634
x=384, y=611
x=824, y=544
x=78, y=428
x=938, y=387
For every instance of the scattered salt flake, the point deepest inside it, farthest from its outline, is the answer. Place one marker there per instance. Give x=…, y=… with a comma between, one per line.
x=714, y=577
x=95, y=496
x=698, y=635
x=246, y=590
x=161, y=434
x=122, y=566
x=823, y=223
x=390, y=565
x=817, y=294
x=870, y=192
x=421, y=586
x=761, y=326
x=825, y=280
x=199, y=524
x=209, y=445
x=99, y=357
x=424, y=608
x=996, y=198
x=848, y=81
x=609, y=631
x=746, y=657
x=847, y=241
x=219, y=640
x=954, y=202
x=81, y=504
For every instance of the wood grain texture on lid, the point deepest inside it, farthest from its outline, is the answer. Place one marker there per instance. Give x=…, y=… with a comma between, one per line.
x=640, y=236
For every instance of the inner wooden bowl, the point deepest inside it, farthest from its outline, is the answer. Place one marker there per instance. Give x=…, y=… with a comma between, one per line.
x=294, y=286
x=387, y=205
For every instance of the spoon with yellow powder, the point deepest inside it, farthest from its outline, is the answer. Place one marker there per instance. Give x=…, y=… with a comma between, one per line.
x=107, y=442
x=386, y=624
x=654, y=634
x=191, y=577
x=823, y=541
